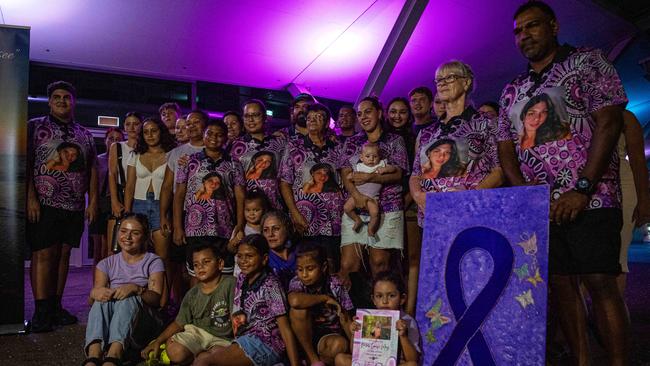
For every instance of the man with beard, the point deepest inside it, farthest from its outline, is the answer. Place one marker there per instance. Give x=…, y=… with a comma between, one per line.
x=298, y=113
x=346, y=122
x=582, y=172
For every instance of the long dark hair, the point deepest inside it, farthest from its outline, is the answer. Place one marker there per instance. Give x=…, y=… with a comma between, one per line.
x=167, y=141
x=406, y=129
x=453, y=166
x=79, y=164
x=553, y=128
x=268, y=173
x=331, y=184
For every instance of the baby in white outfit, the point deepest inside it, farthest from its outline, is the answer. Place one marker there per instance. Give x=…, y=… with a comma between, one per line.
x=371, y=162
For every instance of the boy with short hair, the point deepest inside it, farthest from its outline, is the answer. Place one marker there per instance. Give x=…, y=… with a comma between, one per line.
x=204, y=317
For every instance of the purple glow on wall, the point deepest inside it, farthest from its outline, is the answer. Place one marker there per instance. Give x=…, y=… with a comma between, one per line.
x=270, y=44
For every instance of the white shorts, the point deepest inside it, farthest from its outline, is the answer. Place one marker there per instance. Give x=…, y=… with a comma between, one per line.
x=389, y=236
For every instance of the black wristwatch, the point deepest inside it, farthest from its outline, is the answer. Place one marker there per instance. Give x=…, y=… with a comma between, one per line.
x=584, y=186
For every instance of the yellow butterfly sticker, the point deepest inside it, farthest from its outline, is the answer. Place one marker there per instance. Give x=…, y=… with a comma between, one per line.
x=536, y=278
x=529, y=243
x=525, y=299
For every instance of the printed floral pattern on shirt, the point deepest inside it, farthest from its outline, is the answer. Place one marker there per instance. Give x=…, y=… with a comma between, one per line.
x=63, y=155
x=263, y=302
x=261, y=163
x=391, y=148
x=548, y=117
x=324, y=316
x=316, y=184
x=210, y=198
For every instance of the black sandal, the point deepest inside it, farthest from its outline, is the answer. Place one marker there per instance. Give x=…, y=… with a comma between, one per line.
x=95, y=360
x=113, y=360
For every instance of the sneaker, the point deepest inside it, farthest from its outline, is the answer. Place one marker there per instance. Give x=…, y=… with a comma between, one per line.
x=63, y=317
x=41, y=322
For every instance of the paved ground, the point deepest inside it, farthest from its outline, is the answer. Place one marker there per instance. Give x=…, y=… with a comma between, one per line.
x=64, y=346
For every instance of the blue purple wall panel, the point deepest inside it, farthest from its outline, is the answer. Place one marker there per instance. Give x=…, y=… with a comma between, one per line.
x=483, y=276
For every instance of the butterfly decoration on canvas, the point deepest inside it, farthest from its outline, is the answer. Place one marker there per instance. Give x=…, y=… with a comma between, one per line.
x=535, y=279
x=522, y=272
x=528, y=243
x=525, y=299
x=437, y=320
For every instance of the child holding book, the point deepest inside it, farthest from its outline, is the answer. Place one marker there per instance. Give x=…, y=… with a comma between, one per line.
x=389, y=293
x=320, y=307
x=260, y=321
x=204, y=317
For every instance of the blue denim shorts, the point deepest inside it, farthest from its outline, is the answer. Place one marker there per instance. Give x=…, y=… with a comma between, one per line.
x=257, y=351
x=150, y=208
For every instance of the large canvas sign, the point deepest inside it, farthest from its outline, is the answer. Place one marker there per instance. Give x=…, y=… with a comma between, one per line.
x=483, y=277
x=14, y=73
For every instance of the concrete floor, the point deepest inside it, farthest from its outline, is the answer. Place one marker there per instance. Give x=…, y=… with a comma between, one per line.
x=64, y=346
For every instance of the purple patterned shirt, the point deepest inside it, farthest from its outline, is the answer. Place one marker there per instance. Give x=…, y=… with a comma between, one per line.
x=312, y=173
x=548, y=116
x=470, y=142
x=261, y=303
x=210, y=198
x=391, y=148
x=261, y=162
x=62, y=156
x=325, y=317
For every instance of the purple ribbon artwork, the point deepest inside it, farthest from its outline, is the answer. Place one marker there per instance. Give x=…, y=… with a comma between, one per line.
x=482, y=285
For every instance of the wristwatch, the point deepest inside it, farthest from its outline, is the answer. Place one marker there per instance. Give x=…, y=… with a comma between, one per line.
x=584, y=186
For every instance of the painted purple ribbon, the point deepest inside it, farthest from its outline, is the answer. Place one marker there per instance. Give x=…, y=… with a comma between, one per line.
x=467, y=332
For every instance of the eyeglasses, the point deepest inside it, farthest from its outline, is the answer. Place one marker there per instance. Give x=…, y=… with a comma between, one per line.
x=448, y=79
x=253, y=115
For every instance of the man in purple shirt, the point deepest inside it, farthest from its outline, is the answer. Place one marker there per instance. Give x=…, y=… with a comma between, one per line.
x=298, y=114
x=558, y=125
x=60, y=171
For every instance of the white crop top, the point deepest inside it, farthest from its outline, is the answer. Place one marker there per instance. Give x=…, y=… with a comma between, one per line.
x=146, y=177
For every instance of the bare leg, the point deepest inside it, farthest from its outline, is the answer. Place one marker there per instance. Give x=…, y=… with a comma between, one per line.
x=343, y=359
x=349, y=209
x=330, y=346
x=350, y=262
x=114, y=350
x=373, y=210
x=44, y=263
x=302, y=326
x=161, y=247
x=379, y=260
x=64, y=265
x=178, y=354
x=231, y=355
x=94, y=351
x=109, y=236
x=571, y=313
x=611, y=315
x=414, y=243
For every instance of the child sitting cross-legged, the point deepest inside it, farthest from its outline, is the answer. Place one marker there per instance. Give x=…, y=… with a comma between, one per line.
x=320, y=307
x=389, y=293
x=203, y=320
x=262, y=331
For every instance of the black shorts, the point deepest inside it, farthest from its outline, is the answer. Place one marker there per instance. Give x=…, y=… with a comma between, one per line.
x=220, y=243
x=590, y=244
x=55, y=226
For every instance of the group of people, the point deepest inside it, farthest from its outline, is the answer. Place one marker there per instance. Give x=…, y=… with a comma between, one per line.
x=253, y=238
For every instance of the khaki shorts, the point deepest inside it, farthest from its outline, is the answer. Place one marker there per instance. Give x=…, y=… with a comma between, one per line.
x=197, y=340
x=389, y=236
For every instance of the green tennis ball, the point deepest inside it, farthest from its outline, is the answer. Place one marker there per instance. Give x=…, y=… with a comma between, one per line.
x=164, y=358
